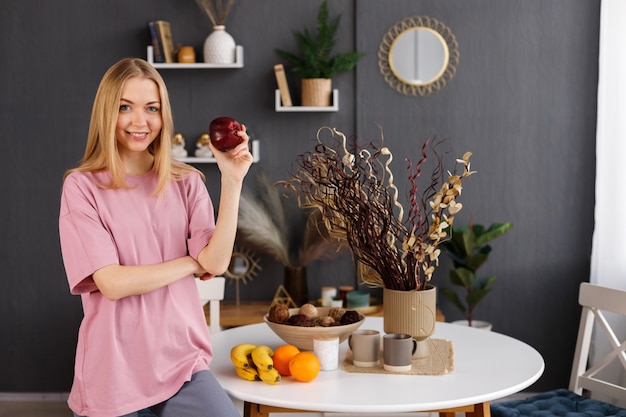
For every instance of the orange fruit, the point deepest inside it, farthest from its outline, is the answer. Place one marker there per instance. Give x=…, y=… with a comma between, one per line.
x=282, y=356
x=304, y=367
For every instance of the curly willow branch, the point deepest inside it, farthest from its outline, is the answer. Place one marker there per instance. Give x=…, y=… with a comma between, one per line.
x=358, y=200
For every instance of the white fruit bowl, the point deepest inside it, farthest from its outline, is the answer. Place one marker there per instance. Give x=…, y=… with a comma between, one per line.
x=302, y=337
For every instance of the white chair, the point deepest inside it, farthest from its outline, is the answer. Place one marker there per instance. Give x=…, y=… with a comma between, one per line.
x=212, y=291
x=586, y=381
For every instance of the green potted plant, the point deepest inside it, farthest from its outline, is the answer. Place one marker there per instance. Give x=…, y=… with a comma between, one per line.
x=469, y=250
x=316, y=64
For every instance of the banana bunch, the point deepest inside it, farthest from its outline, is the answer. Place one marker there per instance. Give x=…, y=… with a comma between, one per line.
x=254, y=363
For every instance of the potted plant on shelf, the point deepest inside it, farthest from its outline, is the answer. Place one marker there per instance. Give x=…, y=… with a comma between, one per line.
x=355, y=193
x=469, y=250
x=315, y=64
x=265, y=225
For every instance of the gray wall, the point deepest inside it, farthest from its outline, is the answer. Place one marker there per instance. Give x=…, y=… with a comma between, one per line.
x=523, y=100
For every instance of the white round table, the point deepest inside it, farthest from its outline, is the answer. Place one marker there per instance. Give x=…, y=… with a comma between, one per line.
x=487, y=366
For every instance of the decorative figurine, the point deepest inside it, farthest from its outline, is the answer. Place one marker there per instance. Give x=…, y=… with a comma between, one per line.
x=178, y=146
x=202, y=146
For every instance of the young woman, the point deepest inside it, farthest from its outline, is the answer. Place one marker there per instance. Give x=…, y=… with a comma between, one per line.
x=136, y=228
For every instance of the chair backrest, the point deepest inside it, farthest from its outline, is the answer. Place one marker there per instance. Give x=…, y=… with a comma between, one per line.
x=212, y=291
x=601, y=379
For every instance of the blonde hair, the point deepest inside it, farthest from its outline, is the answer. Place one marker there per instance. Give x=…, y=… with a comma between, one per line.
x=101, y=153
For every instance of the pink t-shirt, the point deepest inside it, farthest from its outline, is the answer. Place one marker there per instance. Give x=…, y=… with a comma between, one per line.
x=139, y=350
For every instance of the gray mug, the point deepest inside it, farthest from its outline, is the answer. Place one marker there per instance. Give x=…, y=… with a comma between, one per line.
x=398, y=350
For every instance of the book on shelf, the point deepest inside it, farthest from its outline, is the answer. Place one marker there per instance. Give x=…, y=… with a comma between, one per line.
x=164, y=30
x=155, y=42
x=281, y=79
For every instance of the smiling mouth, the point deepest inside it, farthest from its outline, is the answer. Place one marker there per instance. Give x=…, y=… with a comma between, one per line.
x=138, y=135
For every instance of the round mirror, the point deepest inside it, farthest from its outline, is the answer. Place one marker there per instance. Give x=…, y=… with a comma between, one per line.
x=239, y=266
x=243, y=267
x=418, y=56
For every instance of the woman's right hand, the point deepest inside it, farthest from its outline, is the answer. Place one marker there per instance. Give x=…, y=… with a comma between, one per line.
x=200, y=272
x=234, y=163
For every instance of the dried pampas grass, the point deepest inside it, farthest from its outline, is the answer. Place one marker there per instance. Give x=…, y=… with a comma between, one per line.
x=265, y=226
x=257, y=228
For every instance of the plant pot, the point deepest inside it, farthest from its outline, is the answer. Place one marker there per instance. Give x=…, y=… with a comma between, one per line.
x=413, y=313
x=296, y=284
x=316, y=92
x=478, y=324
x=219, y=47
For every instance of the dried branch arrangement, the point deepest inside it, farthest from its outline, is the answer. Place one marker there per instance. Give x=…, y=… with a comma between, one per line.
x=216, y=10
x=358, y=200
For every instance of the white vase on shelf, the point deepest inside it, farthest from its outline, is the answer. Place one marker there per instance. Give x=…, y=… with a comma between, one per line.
x=219, y=47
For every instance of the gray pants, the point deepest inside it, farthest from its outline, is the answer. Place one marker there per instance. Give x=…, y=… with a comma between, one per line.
x=201, y=397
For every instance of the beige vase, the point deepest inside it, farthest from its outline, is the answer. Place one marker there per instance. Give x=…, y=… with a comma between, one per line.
x=411, y=312
x=316, y=92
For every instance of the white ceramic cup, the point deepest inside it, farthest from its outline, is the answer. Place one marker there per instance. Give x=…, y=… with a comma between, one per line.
x=365, y=346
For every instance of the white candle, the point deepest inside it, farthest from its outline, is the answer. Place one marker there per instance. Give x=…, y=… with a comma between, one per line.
x=327, y=351
x=328, y=293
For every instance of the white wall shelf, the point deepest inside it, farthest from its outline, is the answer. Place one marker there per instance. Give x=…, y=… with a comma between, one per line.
x=332, y=108
x=198, y=65
x=256, y=156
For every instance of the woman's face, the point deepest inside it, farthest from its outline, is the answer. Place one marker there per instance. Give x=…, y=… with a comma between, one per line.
x=139, y=119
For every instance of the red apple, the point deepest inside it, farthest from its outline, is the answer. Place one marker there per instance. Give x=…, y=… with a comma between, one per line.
x=223, y=133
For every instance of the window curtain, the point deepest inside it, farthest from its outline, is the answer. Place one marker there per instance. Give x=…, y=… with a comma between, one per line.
x=608, y=256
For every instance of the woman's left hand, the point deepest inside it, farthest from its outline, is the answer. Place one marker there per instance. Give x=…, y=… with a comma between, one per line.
x=234, y=163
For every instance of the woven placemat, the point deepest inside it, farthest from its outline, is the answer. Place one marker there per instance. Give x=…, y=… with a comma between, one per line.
x=439, y=361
